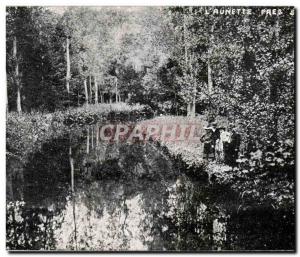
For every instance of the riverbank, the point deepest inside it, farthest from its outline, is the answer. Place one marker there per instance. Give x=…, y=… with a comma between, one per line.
x=26, y=133
x=261, y=179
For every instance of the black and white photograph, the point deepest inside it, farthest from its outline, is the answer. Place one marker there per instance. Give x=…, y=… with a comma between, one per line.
x=150, y=128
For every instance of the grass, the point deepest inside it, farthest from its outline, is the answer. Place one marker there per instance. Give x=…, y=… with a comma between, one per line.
x=190, y=152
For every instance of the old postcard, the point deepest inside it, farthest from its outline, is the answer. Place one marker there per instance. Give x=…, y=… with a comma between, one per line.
x=149, y=128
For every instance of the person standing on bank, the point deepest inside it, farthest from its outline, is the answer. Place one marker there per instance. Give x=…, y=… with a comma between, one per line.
x=224, y=139
x=235, y=144
x=209, y=140
x=232, y=147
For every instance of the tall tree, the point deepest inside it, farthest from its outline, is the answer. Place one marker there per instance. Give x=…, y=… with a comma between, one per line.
x=68, y=74
x=17, y=76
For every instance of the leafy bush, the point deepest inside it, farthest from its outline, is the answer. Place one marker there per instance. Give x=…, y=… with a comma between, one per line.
x=26, y=132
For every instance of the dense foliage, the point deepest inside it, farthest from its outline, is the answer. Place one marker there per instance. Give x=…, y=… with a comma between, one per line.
x=174, y=59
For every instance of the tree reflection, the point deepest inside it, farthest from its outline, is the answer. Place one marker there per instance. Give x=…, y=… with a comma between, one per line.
x=81, y=194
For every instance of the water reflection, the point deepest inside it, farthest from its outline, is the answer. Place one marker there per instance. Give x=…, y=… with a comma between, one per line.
x=77, y=193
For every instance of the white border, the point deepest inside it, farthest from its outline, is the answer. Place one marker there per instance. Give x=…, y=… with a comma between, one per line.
x=5, y=3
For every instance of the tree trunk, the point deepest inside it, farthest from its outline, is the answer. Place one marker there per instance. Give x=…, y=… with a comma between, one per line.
x=189, y=109
x=101, y=98
x=17, y=76
x=68, y=75
x=92, y=137
x=96, y=90
x=193, y=104
x=188, y=67
x=78, y=104
x=71, y=160
x=116, y=89
x=175, y=103
x=88, y=141
x=19, y=108
x=185, y=41
x=128, y=97
x=6, y=101
x=273, y=82
x=91, y=89
x=72, y=168
x=97, y=135
x=209, y=69
x=209, y=78
x=86, y=92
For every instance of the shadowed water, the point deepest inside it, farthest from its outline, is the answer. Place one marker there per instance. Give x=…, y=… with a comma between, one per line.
x=76, y=193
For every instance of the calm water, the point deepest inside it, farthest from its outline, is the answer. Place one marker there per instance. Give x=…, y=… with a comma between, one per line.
x=76, y=193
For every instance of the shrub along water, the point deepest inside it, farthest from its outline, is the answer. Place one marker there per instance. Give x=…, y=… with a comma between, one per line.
x=26, y=133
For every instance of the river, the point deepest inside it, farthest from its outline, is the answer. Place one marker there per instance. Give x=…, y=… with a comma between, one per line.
x=78, y=193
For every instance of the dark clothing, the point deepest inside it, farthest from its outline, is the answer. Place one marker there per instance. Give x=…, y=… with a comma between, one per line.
x=231, y=149
x=208, y=150
x=236, y=142
x=209, y=140
x=227, y=154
